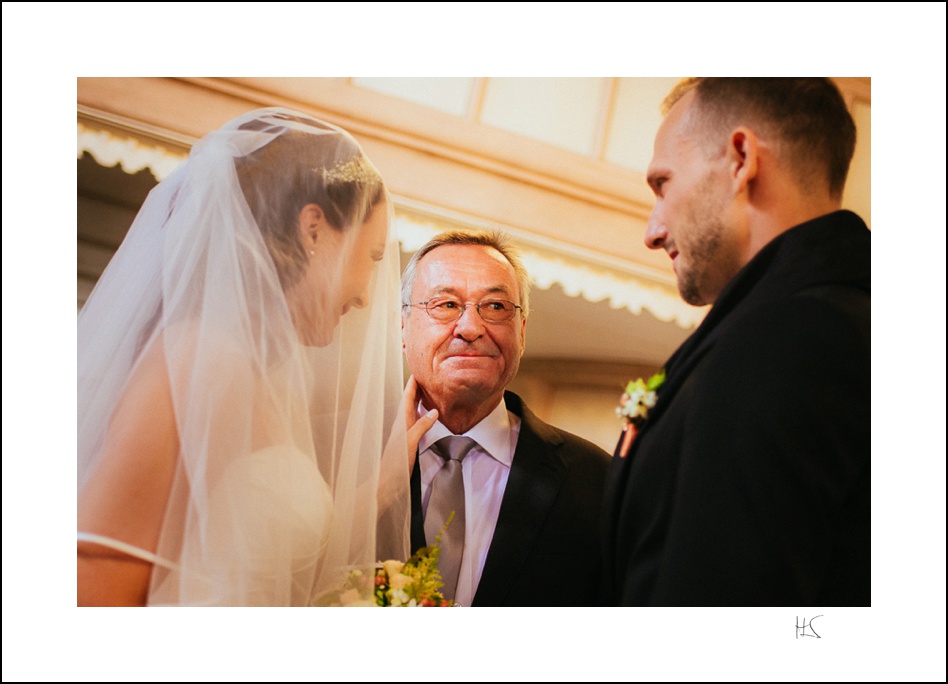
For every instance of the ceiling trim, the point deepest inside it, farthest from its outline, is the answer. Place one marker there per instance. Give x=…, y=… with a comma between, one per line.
x=110, y=148
x=144, y=133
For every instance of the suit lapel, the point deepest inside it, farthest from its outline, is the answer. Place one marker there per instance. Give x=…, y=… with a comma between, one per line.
x=677, y=370
x=758, y=280
x=536, y=475
x=776, y=270
x=679, y=366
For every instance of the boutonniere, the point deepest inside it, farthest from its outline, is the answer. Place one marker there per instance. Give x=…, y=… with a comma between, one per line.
x=634, y=406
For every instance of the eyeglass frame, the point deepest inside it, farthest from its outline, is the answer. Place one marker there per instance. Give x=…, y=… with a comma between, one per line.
x=463, y=307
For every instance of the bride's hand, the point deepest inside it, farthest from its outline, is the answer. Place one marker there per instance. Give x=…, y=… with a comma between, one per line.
x=415, y=427
x=394, y=496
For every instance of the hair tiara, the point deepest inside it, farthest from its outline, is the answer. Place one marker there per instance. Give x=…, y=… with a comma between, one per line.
x=352, y=171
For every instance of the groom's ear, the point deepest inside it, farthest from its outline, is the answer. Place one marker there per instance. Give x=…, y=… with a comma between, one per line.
x=312, y=222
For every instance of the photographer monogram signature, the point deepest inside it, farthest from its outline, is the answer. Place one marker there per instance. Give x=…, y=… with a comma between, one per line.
x=803, y=625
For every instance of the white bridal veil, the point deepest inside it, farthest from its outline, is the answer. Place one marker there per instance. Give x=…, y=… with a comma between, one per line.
x=279, y=345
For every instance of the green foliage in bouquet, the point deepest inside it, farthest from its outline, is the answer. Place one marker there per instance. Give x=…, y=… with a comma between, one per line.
x=417, y=582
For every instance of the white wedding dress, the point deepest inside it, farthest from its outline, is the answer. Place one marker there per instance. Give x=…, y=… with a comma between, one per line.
x=268, y=525
x=275, y=355
x=266, y=530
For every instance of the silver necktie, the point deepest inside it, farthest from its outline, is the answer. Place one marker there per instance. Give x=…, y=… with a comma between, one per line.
x=447, y=495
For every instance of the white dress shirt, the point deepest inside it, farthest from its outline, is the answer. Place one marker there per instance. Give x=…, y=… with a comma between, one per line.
x=486, y=469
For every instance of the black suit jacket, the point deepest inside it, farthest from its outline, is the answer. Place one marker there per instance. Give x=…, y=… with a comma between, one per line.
x=546, y=548
x=749, y=483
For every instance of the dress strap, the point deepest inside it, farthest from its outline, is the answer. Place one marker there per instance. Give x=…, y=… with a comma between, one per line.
x=126, y=548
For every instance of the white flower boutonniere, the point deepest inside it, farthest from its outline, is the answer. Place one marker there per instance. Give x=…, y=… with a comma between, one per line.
x=634, y=406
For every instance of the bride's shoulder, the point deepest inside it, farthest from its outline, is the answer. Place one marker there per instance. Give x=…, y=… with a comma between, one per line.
x=167, y=364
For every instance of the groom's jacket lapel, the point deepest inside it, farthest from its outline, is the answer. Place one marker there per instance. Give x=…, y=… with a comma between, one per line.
x=754, y=283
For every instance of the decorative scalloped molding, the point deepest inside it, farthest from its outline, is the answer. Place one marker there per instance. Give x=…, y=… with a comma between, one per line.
x=133, y=155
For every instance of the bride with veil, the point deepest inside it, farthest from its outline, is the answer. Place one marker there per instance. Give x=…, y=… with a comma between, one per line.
x=240, y=376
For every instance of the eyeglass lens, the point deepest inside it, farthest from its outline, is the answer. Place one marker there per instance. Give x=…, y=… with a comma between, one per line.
x=491, y=310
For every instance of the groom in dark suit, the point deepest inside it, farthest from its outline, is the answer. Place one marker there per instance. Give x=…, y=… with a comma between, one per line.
x=527, y=525
x=749, y=482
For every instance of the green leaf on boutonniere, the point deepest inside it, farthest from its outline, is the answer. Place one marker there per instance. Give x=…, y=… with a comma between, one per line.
x=656, y=381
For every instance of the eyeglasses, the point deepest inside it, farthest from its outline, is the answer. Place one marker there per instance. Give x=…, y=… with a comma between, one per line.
x=449, y=309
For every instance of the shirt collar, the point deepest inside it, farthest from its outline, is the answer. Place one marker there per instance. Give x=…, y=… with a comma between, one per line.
x=492, y=434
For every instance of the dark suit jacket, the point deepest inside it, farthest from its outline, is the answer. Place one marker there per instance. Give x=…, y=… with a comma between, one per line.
x=749, y=483
x=546, y=549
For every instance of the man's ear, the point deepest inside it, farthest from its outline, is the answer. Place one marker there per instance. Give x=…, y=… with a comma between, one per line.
x=523, y=334
x=312, y=222
x=743, y=157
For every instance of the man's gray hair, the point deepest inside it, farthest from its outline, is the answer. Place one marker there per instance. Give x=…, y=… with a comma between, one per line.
x=495, y=239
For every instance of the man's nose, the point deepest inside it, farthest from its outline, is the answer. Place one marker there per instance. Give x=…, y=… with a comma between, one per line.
x=656, y=234
x=470, y=325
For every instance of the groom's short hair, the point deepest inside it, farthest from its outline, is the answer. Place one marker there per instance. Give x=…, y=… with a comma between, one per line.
x=806, y=118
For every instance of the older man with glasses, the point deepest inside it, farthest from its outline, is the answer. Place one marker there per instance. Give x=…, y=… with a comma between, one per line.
x=516, y=501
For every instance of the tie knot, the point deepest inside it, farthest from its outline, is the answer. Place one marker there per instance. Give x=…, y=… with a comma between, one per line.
x=453, y=448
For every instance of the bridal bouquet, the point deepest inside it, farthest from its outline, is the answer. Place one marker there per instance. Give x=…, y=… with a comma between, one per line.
x=395, y=584
x=413, y=583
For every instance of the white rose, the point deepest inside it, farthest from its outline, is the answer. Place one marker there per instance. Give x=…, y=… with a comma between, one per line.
x=393, y=567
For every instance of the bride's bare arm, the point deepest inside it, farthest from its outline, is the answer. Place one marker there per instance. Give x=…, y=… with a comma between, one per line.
x=128, y=493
